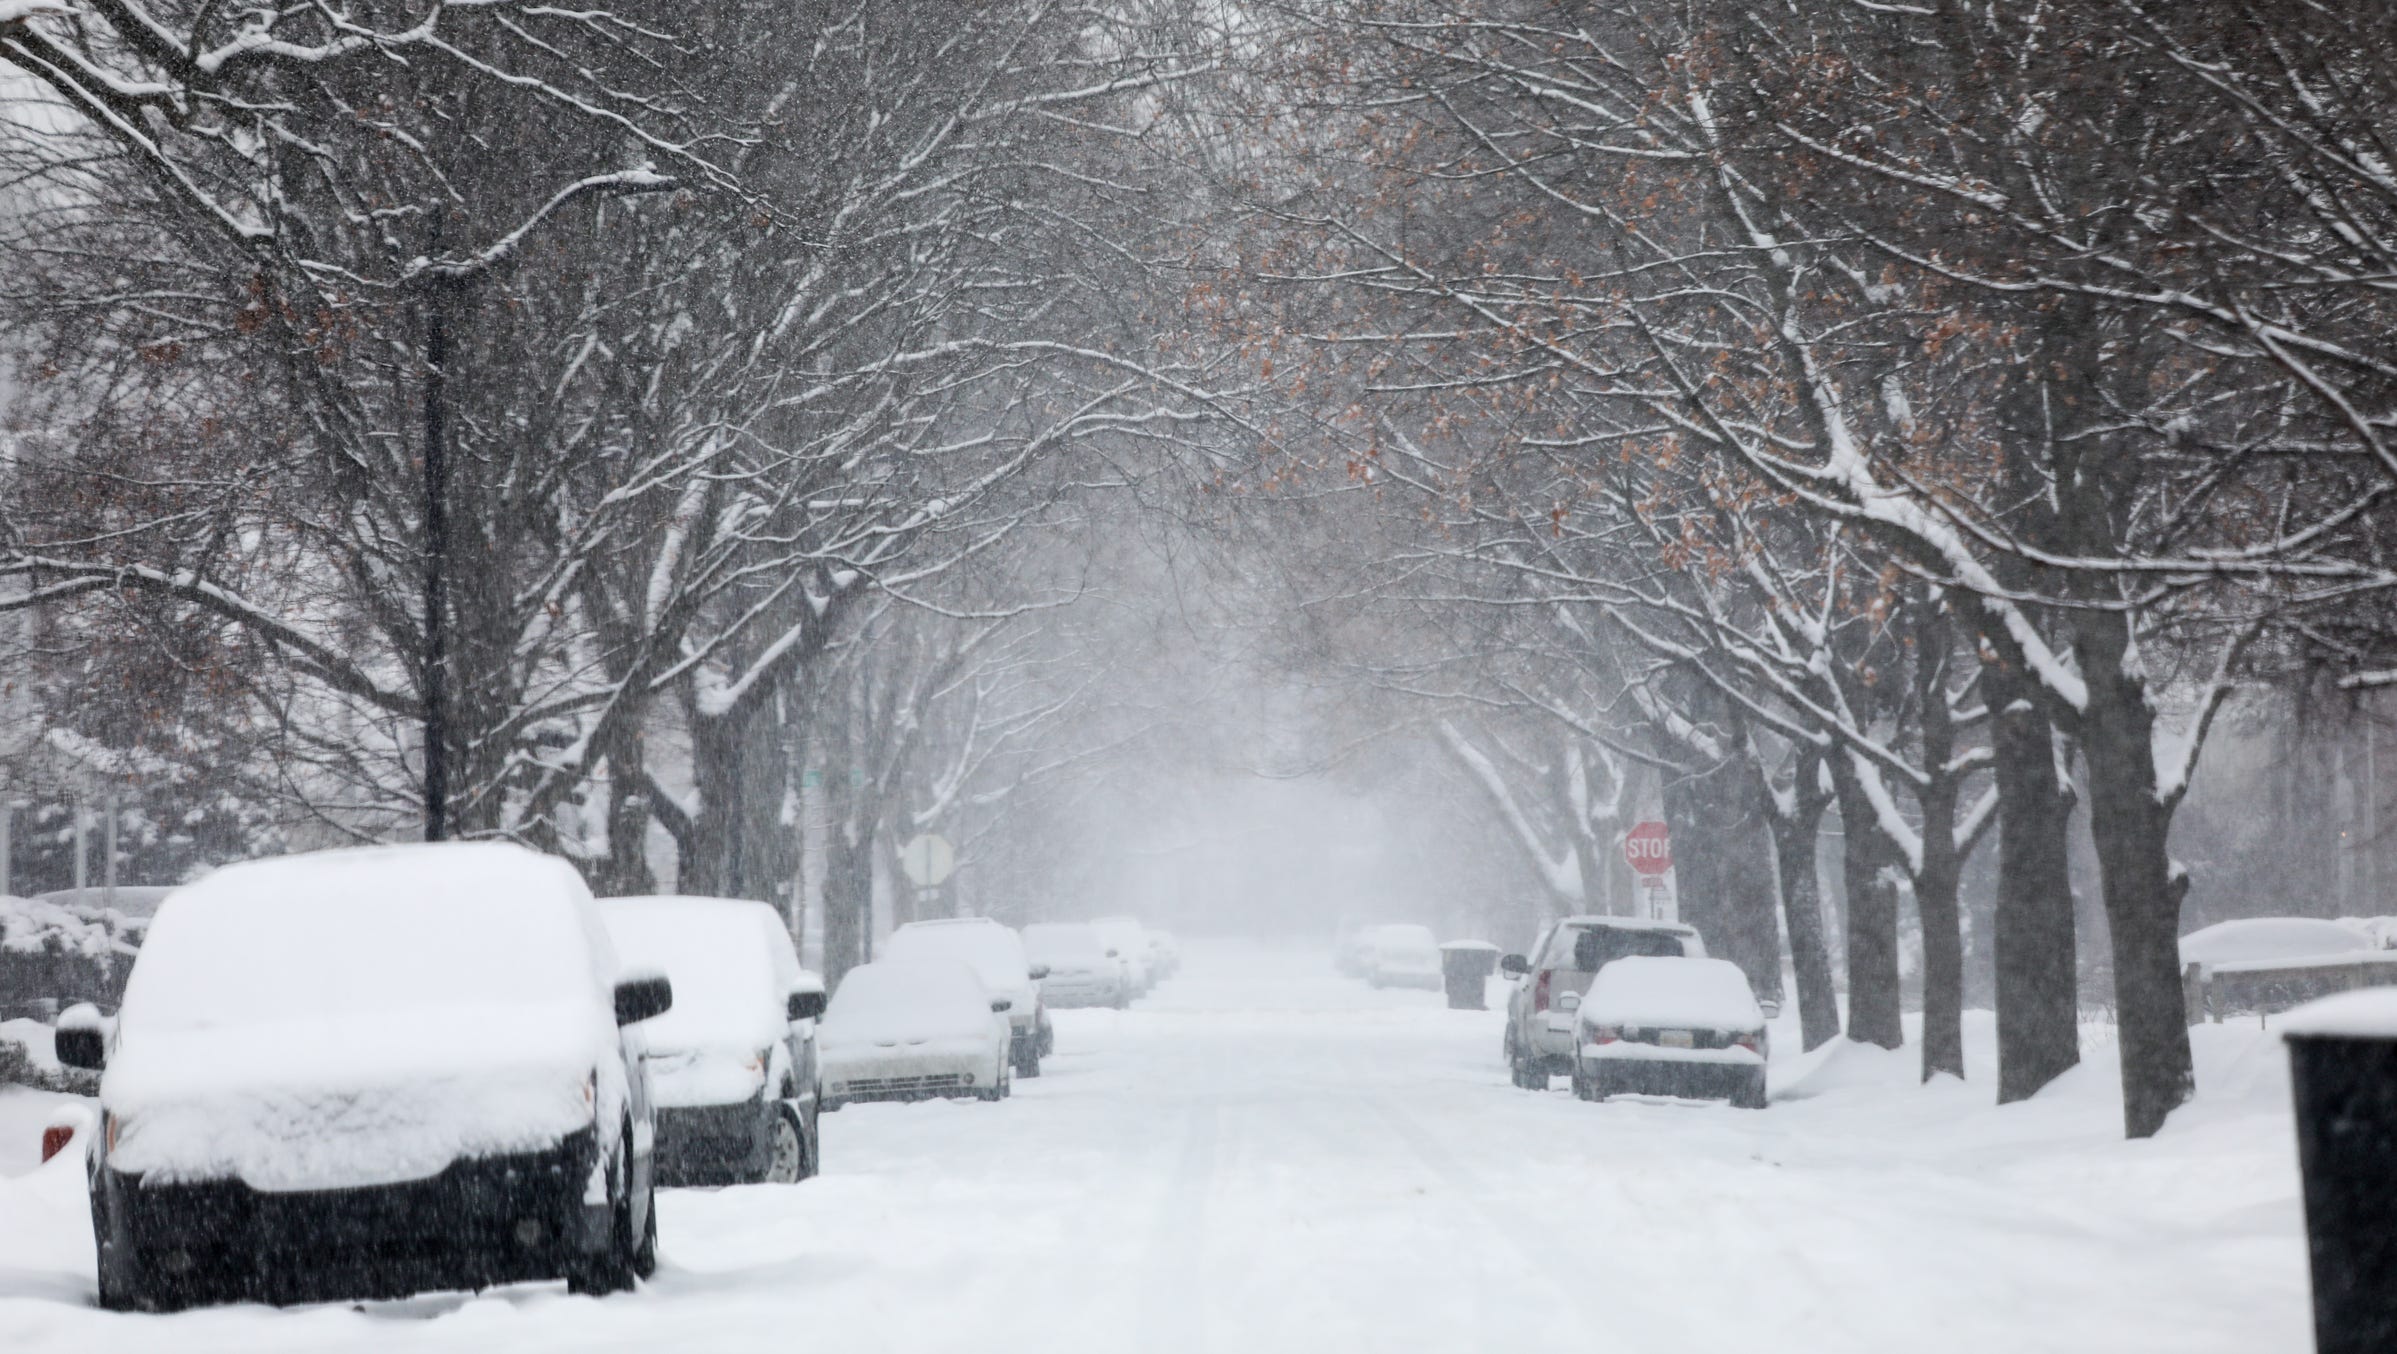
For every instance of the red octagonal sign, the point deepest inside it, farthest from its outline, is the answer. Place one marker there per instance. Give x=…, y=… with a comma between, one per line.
x=1649, y=848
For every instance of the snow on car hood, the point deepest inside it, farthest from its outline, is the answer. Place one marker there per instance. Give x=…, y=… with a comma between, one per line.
x=686, y=1078
x=357, y=1100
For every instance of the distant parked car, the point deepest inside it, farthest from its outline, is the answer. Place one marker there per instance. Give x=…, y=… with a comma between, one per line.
x=368, y=1072
x=1349, y=947
x=1680, y=1027
x=914, y=1031
x=996, y=955
x=1129, y=939
x=1165, y=954
x=733, y=1065
x=1538, y=1042
x=1402, y=955
x=1082, y=971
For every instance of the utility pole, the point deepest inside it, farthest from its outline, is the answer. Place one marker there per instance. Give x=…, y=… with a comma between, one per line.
x=436, y=564
x=108, y=850
x=82, y=875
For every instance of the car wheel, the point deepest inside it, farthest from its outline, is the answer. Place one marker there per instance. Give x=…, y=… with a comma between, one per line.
x=786, y=1164
x=1527, y=1074
x=610, y=1271
x=645, y=1256
x=1751, y=1093
x=1027, y=1064
x=1583, y=1087
x=121, y=1289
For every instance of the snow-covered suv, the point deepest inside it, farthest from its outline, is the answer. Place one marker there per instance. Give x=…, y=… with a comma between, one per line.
x=1539, y=1037
x=733, y=1065
x=368, y=1072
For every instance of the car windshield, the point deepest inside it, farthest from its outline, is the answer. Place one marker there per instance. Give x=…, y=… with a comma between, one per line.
x=1595, y=947
x=1059, y=945
x=896, y=999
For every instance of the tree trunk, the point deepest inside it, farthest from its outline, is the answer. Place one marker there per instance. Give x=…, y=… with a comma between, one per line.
x=1794, y=838
x=848, y=903
x=2130, y=825
x=2038, y=963
x=1942, y=864
x=1867, y=864
x=1723, y=862
x=742, y=845
x=625, y=872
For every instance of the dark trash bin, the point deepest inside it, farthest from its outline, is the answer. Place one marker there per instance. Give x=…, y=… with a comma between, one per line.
x=1465, y=967
x=2343, y=1071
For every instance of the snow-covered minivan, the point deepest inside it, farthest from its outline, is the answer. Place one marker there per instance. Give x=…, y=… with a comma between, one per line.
x=369, y=1072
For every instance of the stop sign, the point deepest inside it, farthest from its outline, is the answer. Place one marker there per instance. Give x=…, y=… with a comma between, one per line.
x=1649, y=848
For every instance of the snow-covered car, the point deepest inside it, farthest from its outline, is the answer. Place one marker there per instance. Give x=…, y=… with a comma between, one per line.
x=368, y=1072
x=1538, y=1042
x=996, y=955
x=1130, y=940
x=1679, y=1027
x=732, y=1067
x=1082, y=971
x=914, y=1031
x=1165, y=954
x=1402, y=955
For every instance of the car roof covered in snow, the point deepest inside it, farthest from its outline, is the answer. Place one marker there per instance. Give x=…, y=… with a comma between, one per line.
x=1630, y=923
x=369, y=929
x=1650, y=991
x=2262, y=939
x=1404, y=933
x=730, y=962
x=991, y=948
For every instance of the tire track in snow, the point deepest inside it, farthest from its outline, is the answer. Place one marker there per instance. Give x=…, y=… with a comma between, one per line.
x=1173, y=1300
x=1571, y=1282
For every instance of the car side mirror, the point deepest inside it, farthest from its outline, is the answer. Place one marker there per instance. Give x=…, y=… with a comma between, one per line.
x=643, y=996
x=82, y=1038
x=1514, y=966
x=1001, y=1005
x=806, y=1005
x=1772, y=1009
x=1569, y=1002
x=1039, y=971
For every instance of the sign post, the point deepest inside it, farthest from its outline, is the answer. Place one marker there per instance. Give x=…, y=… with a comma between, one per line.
x=1648, y=848
x=927, y=860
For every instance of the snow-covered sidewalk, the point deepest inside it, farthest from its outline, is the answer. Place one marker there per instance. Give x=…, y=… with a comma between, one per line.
x=1266, y=1157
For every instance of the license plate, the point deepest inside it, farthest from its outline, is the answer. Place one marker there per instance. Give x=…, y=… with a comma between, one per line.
x=1675, y=1039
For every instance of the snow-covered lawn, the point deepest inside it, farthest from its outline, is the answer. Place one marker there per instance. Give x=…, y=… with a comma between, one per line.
x=1263, y=1156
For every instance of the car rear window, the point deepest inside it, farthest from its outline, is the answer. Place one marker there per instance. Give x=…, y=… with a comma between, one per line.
x=1594, y=947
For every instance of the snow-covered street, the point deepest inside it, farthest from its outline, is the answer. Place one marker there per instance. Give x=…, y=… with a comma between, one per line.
x=1264, y=1156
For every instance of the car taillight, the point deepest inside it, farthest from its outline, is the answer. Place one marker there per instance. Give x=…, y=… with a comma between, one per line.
x=1539, y=989
x=1750, y=1040
x=55, y=1139
x=109, y=1124
x=1605, y=1034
